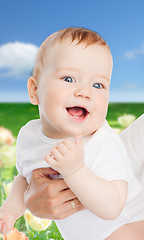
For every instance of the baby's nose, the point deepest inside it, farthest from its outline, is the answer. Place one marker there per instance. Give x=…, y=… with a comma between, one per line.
x=83, y=92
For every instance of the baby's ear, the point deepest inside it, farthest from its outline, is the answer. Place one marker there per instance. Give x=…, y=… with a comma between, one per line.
x=32, y=90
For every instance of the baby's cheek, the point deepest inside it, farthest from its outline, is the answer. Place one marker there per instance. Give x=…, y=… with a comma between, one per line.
x=100, y=112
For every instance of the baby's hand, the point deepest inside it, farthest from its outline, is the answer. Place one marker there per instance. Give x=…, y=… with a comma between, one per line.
x=67, y=157
x=7, y=220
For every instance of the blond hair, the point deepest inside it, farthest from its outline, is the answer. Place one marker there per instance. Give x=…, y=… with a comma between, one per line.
x=79, y=35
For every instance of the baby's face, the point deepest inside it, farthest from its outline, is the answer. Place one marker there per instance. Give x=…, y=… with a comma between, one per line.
x=73, y=90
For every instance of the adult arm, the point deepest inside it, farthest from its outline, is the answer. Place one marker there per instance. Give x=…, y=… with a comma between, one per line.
x=50, y=198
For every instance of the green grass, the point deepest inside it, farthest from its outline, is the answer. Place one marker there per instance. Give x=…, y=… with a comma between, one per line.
x=118, y=109
x=14, y=115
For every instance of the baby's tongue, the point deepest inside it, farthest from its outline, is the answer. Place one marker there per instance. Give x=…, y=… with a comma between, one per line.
x=75, y=111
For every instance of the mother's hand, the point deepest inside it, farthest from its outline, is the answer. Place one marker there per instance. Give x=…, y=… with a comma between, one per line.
x=50, y=198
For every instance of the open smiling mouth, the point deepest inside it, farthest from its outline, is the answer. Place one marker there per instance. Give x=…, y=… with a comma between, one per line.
x=77, y=113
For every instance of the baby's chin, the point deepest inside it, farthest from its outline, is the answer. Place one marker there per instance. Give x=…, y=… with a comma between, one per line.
x=79, y=133
x=71, y=132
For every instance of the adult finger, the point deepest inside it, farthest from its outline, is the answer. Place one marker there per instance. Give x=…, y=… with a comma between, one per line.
x=71, y=204
x=42, y=173
x=66, y=196
x=67, y=209
x=71, y=212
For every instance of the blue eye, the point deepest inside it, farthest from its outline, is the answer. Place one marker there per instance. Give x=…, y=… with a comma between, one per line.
x=97, y=85
x=69, y=79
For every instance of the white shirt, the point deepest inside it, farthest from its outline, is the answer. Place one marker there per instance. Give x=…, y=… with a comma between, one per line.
x=133, y=139
x=105, y=156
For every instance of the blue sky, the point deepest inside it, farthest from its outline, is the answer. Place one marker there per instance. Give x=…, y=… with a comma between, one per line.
x=25, y=24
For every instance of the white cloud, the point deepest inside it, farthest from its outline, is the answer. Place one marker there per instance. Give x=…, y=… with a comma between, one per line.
x=16, y=59
x=134, y=53
x=130, y=54
x=129, y=85
x=14, y=96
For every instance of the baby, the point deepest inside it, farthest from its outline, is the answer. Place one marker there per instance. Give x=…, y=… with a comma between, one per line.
x=70, y=84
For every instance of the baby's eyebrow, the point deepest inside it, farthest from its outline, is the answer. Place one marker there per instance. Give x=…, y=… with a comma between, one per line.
x=97, y=77
x=77, y=70
x=104, y=77
x=66, y=69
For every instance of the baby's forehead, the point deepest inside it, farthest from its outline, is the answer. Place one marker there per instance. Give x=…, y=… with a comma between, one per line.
x=72, y=36
x=61, y=54
x=60, y=47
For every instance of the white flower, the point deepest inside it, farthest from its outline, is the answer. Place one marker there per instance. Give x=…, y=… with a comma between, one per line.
x=7, y=187
x=126, y=120
x=6, y=136
x=37, y=224
x=8, y=155
x=117, y=130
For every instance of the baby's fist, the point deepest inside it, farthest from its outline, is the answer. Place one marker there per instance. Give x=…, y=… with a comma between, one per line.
x=7, y=220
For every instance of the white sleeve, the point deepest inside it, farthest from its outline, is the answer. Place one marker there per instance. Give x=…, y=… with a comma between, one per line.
x=19, y=154
x=114, y=163
x=133, y=139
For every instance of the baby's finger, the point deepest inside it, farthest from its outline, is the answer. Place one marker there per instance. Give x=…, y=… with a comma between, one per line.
x=4, y=228
x=56, y=153
x=62, y=148
x=51, y=161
